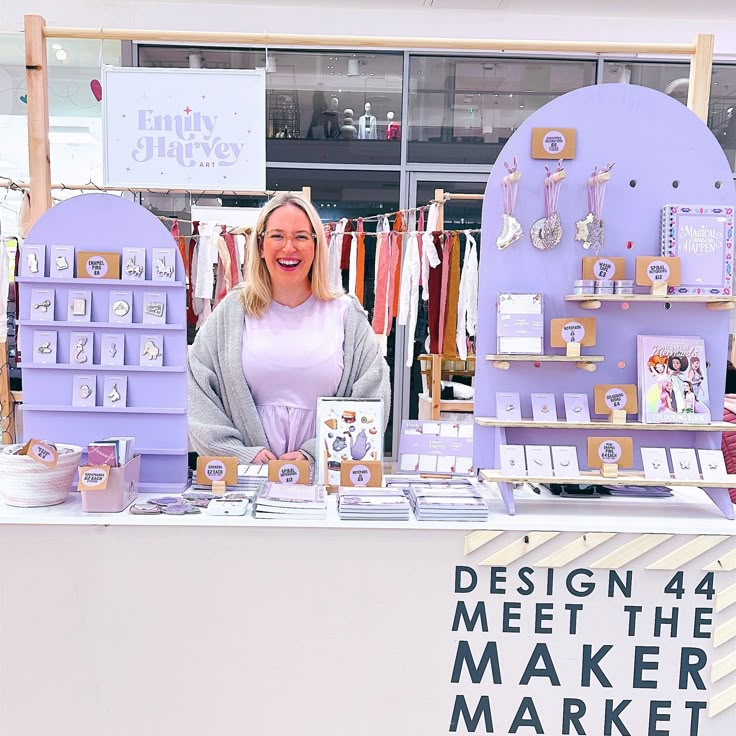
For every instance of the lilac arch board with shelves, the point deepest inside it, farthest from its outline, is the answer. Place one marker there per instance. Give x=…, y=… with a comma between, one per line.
x=104, y=222
x=655, y=142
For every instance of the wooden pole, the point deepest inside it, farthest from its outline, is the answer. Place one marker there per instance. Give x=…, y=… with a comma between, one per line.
x=37, y=91
x=6, y=401
x=701, y=66
x=378, y=42
x=307, y=193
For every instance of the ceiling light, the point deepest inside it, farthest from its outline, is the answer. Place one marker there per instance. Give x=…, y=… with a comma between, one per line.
x=61, y=55
x=56, y=46
x=521, y=106
x=511, y=95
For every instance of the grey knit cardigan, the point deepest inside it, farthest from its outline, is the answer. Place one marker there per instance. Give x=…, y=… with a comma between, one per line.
x=222, y=415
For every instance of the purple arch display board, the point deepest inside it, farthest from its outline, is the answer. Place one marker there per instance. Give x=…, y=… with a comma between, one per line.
x=654, y=141
x=155, y=407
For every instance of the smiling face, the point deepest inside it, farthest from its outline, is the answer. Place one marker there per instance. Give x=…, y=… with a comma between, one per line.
x=287, y=247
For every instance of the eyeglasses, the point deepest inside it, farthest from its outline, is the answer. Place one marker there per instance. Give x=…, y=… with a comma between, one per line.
x=276, y=237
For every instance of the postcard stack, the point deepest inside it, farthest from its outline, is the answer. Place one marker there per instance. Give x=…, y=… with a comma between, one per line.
x=291, y=501
x=366, y=504
x=447, y=502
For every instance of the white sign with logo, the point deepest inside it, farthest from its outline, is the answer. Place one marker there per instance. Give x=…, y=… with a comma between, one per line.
x=185, y=128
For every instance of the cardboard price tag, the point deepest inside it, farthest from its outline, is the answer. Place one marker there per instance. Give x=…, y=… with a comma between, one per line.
x=604, y=269
x=362, y=473
x=653, y=270
x=289, y=471
x=41, y=452
x=553, y=143
x=581, y=330
x=610, y=451
x=213, y=468
x=94, y=477
x=613, y=397
x=95, y=265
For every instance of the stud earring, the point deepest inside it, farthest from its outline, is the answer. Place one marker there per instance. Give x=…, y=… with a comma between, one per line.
x=656, y=464
x=544, y=409
x=685, y=465
x=577, y=409
x=564, y=463
x=509, y=407
x=713, y=466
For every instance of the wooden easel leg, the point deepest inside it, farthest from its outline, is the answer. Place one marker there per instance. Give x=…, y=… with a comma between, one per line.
x=720, y=498
x=436, y=390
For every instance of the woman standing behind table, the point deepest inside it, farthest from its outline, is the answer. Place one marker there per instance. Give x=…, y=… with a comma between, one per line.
x=276, y=344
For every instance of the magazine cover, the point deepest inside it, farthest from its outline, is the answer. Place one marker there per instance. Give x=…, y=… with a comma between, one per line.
x=347, y=429
x=703, y=239
x=673, y=380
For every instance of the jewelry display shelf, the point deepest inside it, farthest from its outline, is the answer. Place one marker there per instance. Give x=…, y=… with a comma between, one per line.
x=49, y=388
x=606, y=426
x=150, y=327
x=712, y=301
x=583, y=362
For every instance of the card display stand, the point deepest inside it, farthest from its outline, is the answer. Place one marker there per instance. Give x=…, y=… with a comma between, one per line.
x=614, y=123
x=155, y=395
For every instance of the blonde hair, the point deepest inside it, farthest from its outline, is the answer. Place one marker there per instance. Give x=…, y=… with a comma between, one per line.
x=256, y=293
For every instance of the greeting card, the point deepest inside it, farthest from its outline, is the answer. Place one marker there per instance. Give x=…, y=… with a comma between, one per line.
x=112, y=349
x=565, y=461
x=712, y=465
x=539, y=461
x=84, y=390
x=544, y=408
x=513, y=460
x=42, y=305
x=164, y=264
x=577, y=408
x=61, y=265
x=121, y=307
x=134, y=264
x=685, y=463
x=115, y=393
x=508, y=407
x=655, y=463
x=702, y=237
x=79, y=305
x=33, y=261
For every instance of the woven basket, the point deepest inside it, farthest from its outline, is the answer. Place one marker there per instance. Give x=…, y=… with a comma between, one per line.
x=25, y=482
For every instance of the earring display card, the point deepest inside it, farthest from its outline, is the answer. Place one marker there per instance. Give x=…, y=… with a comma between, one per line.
x=61, y=265
x=712, y=465
x=508, y=407
x=121, y=307
x=513, y=461
x=84, y=390
x=116, y=392
x=79, y=307
x=134, y=264
x=154, y=308
x=539, y=461
x=33, y=261
x=81, y=348
x=577, y=408
x=543, y=408
x=685, y=463
x=655, y=463
x=164, y=264
x=152, y=350
x=44, y=346
x=565, y=460
x=112, y=350
x=42, y=305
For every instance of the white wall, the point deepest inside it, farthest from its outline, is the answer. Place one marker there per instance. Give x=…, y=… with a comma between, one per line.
x=653, y=21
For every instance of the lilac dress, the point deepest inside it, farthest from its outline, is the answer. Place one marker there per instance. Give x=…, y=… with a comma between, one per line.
x=291, y=357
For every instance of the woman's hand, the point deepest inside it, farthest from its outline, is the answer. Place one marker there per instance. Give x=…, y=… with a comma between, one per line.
x=295, y=456
x=263, y=457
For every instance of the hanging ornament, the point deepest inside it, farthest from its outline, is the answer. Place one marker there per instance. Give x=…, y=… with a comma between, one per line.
x=511, y=230
x=96, y=88
x=591, y=231
x=546, y=232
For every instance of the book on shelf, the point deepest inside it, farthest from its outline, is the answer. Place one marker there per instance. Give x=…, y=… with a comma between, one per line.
x=702, y=237
x=673, y=380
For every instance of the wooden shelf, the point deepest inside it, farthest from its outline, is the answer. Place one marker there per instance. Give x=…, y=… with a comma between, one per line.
x=605, y=426
x=83, y=368
x=100, y=325
x=595, y=301
x=629, y=478
x=47, y=282
x=584, y=362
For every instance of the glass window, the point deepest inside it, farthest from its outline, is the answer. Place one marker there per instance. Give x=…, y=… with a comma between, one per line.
x=673, y=79
x=321, y=106
x=476, y=103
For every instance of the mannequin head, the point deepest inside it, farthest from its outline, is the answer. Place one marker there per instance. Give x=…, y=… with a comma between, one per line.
x=334, y=103
x=367, y=108
x=390, y=116
x=348, y=115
